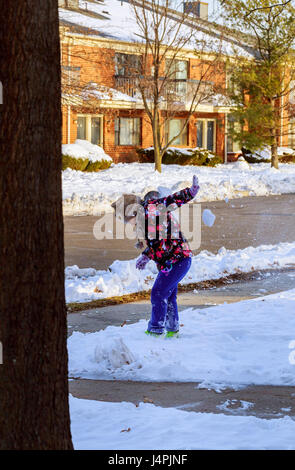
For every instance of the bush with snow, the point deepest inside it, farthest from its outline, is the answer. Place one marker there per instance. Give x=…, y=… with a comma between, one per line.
x=85, y=156
x=285, y=154
x=181, y=156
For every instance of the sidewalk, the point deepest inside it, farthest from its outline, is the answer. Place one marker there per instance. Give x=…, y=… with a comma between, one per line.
x=99, y=318
x=261, y=401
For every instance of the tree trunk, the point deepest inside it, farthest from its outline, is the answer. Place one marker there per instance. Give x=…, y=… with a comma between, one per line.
x=274, y=156
x=157, y=142
x=34, y=412
x=274, y=148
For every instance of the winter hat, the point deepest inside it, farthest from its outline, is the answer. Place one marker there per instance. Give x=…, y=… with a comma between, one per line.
x=151, y=195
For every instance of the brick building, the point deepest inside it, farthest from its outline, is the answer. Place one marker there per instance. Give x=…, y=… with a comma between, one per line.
x=100, y=101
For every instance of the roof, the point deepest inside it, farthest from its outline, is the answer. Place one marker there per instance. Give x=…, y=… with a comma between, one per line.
x=113, y=19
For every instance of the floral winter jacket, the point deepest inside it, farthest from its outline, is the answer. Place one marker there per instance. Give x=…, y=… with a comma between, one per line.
x=169, y=246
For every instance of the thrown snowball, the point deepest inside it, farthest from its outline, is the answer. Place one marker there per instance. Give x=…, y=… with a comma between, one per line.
x=208, y=217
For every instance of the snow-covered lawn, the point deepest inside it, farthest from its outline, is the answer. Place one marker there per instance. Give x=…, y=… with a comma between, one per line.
x=92, y=193
x=122, y=277
x=230, y=345
x=101, y=425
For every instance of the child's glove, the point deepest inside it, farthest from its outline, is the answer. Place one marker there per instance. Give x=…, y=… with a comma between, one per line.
x=142, y=262
x=195, y=186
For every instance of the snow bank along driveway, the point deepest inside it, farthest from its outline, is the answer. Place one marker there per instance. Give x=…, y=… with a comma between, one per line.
x=122, y=277
x=92, y=193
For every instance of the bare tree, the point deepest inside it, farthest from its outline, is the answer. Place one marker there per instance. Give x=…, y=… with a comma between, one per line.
x=155, y=73
x=33, y=328
x=164, y=33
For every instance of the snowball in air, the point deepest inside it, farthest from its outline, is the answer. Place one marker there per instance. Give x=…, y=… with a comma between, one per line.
x=208, y=217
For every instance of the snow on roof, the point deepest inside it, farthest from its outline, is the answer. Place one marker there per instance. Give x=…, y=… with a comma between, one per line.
x=115, y=20
x=102, y=92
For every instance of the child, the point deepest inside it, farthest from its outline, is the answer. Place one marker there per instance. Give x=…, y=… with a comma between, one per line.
x=172, y=256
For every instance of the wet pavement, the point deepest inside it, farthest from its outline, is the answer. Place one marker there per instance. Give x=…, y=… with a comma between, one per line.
x=248, y=221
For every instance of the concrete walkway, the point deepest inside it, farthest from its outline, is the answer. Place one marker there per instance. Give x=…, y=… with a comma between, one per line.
x=261, y=401
x=265, y=401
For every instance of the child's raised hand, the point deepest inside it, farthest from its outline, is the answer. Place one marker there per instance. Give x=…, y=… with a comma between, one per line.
x=195, y=186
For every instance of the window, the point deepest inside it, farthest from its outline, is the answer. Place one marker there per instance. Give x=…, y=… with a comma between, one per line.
x=292, y=92
x=206, y=129
x=291, y=134
x=127, y=64
x=90, y=128
x=232, y=146
x=70, y=75
x=127, y=131
x=176, y=71
x=173, y=127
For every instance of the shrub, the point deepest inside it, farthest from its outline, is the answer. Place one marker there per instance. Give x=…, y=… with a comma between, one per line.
x=287, y=158
x=175, y=156
x=74, y=163
x=252, y=158
x=145, y=155
x=216, y=160
x=99, y=165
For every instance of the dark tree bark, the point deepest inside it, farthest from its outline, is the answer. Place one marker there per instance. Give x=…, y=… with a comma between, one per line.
x=34, y=411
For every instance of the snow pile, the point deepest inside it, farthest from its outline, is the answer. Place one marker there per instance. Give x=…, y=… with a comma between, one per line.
x=241, y=164
x=122, y=277
x=85, y=149
x=92, y=193
x=114, y=354
x=229, y=345
x=97, y=425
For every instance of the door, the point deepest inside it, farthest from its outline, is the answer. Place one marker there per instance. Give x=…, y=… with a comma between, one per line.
x=81, y=127
x=95, y=131
x=200, y=127
x=210, y=135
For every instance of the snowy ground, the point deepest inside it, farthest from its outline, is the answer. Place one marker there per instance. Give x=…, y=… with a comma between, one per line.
x=122, y=277
x=92, y=193
x=230, y=345
x=102, y=425
x=249, y=342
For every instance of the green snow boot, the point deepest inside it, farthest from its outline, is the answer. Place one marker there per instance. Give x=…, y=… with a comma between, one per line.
x=151, y=333
x=172, y=334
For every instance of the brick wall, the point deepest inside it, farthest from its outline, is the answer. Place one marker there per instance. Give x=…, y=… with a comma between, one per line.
x=97, y=64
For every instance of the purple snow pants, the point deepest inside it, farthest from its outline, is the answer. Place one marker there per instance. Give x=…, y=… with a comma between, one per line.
x=163, y=298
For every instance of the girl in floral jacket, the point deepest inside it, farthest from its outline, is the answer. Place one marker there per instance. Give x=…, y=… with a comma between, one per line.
x=169, y=249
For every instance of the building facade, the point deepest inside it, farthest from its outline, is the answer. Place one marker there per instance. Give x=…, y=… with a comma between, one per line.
x=101, y=103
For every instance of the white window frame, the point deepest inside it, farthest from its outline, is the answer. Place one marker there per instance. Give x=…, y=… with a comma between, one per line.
x=88, y=125
x=205, y=121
